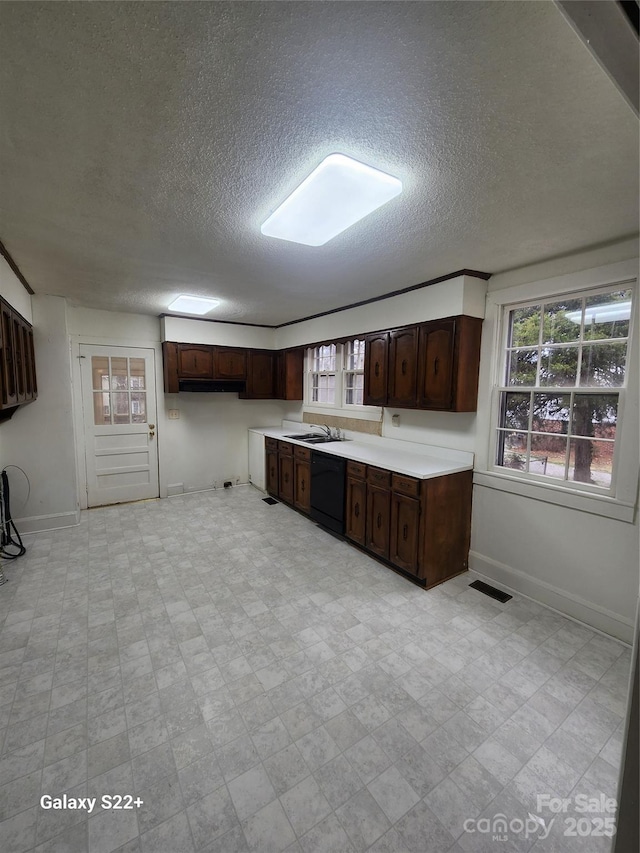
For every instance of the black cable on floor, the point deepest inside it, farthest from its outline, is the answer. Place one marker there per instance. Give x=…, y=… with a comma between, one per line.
x=8, y=528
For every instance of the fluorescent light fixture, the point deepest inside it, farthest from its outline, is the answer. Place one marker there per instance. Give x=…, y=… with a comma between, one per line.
x=193, y=304
x=338, y=193
x=607, y=313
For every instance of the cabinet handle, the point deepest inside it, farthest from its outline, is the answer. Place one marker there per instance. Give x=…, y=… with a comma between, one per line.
x=376, y=369
x=302, y=486
x=404, y=366
x=405, y=532
x=435, y=366
x=286, y=478
x=379, y=520
x=356, y=510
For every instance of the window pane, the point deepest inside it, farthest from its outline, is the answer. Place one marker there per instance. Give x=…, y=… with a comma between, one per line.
x=591, y=462
x=603, y=365
x=515, y=413
x=607, y=315
x=138, y=407
x=512, y=450
x=559, y=366
x=551, y=413
x=120, y=403
x=136, y=373
x=119, y=374
x=525, y=327
x=521, y=368
x=561, y=322
x=548, y=455
x=595, y=415
x=100, y=373
x=101, y=410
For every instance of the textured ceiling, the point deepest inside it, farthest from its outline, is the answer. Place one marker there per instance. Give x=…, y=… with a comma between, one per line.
x=142, y=145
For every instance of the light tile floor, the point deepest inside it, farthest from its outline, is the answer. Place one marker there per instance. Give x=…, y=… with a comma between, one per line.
x=264, y=686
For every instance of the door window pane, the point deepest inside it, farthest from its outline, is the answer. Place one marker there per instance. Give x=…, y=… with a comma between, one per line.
x=138, y=407
x=136, y=371
x=100, y=373
x=120, y=403
x=119, y=374
x=101, y=408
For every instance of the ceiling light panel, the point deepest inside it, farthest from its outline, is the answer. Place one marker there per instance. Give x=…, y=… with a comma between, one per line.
x=338, y=193
x=193, y=304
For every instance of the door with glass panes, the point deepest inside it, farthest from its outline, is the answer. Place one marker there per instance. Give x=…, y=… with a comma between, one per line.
x=119, y=412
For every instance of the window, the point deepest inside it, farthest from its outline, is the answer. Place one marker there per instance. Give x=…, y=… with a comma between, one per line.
x=336, y=374
x=354, y=373
x=323, y=374
x=563, y=374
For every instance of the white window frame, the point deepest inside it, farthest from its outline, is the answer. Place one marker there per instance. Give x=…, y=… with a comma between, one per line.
x=620, y=504
x=339, y=407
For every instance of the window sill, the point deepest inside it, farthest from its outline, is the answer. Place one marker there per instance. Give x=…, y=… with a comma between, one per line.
x=604, y=505
x=362, y=413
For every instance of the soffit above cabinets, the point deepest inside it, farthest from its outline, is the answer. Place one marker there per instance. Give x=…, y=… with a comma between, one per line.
x=144, y=144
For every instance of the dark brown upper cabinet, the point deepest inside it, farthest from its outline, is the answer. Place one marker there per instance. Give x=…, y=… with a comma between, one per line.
x=376, y=361
x=261, y=375
x=195, y=362
x=17, y=361
x=289, y=379
x=229, y=364
x=431, y=365
x=449, y=360
x=403, y=367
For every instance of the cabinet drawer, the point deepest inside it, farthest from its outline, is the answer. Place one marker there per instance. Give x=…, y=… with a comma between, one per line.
x=271, y=443
x=356, y=469
x=285, y=448
x=378, y=476
x=302, y=453
x=405, y=485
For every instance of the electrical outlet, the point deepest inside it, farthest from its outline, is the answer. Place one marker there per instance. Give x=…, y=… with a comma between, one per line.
x=174, y=414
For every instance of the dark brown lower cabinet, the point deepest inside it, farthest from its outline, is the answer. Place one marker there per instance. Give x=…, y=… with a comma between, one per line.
x=272, y=471
x=285, y=472
x=302, y=479
x=445, y=532
x=405, y=529
x=378, y=512
x=356, y=515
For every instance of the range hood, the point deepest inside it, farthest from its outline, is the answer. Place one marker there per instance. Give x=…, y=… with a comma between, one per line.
x=211, y=385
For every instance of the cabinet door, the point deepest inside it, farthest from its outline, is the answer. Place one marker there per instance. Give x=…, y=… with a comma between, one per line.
x=377, y=530
x=290, y=369
x=356, y=510
x=195, y=362
x=435, y=384
x=285, y=472
x=405, y=525
x=18, y=354
x=261, y=375
x=445, y=527
x=376, y=352
x=272, y=472
x=229, y=363
x=27, y=354
x=403, y=367
x=302, y=495
x=7, y=364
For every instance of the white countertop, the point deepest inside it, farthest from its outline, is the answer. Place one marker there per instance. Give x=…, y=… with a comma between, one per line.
x=421, y=461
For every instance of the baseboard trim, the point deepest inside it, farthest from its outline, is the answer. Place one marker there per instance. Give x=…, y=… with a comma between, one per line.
x=566, y=603
x=44, y=523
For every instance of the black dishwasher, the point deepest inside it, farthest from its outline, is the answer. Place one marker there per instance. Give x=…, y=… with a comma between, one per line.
x=327, y=490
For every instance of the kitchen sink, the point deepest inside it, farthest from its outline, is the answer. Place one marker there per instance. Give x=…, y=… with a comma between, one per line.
x=303, y=436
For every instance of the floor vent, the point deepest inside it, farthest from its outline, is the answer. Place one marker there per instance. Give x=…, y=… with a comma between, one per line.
x=491, y=591
x=270, y=501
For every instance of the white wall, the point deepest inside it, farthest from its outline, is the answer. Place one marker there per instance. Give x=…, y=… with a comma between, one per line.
x=187, y=331
x=14, y=292
x=566, y=553
x=463, y=294
x=40, y=436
